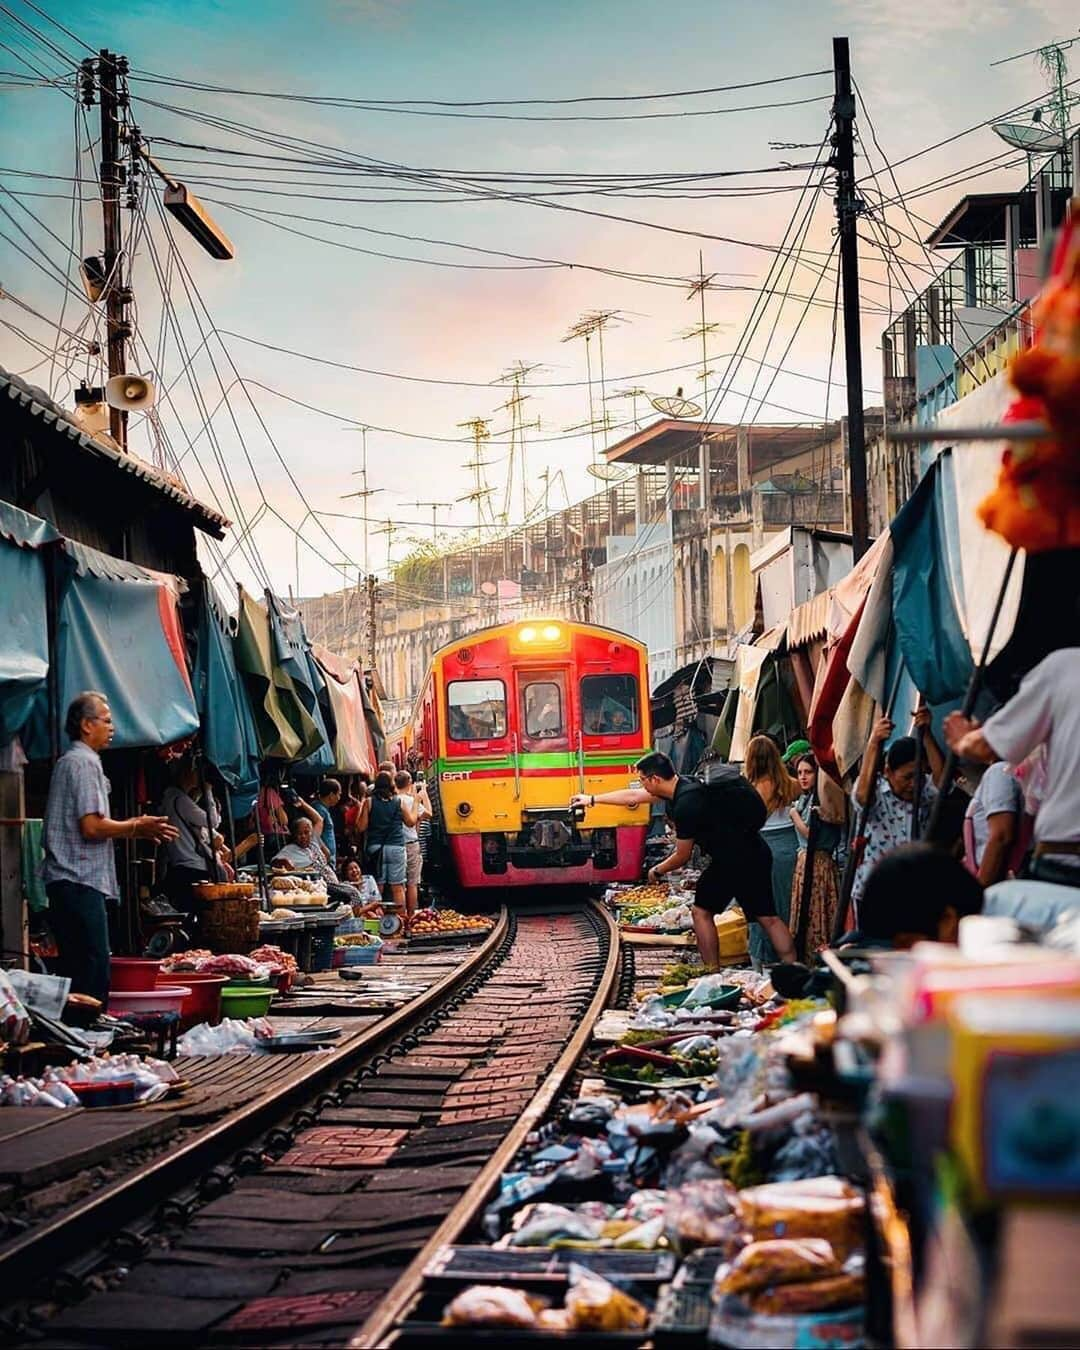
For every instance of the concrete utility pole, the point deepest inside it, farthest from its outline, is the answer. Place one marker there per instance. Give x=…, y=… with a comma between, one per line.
x=372, y=601
x=585, y=591
x=117, y=297
x=848, y=209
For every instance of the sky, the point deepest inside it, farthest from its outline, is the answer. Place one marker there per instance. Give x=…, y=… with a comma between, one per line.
x=924, y=71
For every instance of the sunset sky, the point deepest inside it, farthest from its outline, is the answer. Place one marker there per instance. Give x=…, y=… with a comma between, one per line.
x=925, y=73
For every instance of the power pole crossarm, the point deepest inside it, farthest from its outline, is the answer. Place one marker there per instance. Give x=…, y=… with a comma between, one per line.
x=848, y=208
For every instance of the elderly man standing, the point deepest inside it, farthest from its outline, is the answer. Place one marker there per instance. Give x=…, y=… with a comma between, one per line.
x=80, y=865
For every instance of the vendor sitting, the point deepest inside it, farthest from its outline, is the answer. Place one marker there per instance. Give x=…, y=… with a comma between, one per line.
x=305, y=853
x=916, y=893
x=353, y=875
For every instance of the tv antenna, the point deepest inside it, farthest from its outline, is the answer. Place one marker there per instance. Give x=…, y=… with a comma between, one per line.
x=434, y=508
x=515, y=376
x=589, y=326
x=389, y=529
x=365, y=491
x=480, y=427
x=703, y=329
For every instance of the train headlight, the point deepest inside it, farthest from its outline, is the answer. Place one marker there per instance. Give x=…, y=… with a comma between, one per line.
x=551, y=632
x=527, y=635
x=464, y=809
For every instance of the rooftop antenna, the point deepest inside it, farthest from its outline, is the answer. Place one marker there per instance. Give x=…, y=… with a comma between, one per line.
x=364, y=493
x=592, y=325
x=702, y=329
x=677, y=407
x=633, y=394
x=434, y=508
x=516, y=375
x=389, y=529
x=480, y=427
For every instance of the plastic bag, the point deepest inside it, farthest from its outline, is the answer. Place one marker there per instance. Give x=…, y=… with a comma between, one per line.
x=549, y=1223
x=810, y=1296
x=592, y=1304
x=231, y=1035
x=14, y=1019
x=702, y=1215
x=823, y=1207
x=705, y=989
x=490, y=1305
x=777, y=1261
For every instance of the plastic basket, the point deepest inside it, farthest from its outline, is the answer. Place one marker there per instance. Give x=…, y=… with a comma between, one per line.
x=359, y=956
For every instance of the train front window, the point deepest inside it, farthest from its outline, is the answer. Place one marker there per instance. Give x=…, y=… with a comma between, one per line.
x=476, y=710
x=609, y=705
x=543, y=708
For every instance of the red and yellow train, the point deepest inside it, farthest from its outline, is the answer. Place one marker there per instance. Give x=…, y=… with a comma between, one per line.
x=510, y=723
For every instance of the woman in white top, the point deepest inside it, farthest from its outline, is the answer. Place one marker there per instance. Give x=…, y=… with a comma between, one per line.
x=767, y=771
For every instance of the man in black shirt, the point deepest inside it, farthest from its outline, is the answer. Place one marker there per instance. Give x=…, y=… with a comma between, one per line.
x=740, y=864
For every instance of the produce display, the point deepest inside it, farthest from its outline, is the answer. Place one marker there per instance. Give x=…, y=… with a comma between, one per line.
x=286, y=884
x=689, y=1141
x=274, y=960
x=357, y=940
x=428, y=921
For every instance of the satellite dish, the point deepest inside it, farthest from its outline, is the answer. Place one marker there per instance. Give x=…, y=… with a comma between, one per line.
x=608, y=473
x=1032, y=139
x=678, y=406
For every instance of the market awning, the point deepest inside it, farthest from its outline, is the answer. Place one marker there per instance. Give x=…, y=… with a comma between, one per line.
x=270, y=692
x=354, y=750
x=24, y=643
x=292, y=654
x=119, y=632
x=229, y=738
x=810, y=622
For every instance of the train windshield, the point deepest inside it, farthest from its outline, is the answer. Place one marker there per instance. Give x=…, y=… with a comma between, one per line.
x=542, y=707
x=477, y=710
x=609, y=705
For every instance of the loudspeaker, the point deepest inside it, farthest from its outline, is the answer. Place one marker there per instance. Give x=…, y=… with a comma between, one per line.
x=92, y=417
x=133, y=393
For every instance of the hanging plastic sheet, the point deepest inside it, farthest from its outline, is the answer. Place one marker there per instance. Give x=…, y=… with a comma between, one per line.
x=373, y=717
x=229, y=737
x=292, y=654
x=24, y=645
x=118, y=631
x=354, y=750
x=274, y=705
x=925, y=616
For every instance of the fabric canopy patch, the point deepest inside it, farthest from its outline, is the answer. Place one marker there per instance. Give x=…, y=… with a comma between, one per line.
x=24, y=650
x=123, y=639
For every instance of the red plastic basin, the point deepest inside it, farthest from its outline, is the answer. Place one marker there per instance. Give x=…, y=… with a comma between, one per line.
x=203, y=1004
x=132, y=972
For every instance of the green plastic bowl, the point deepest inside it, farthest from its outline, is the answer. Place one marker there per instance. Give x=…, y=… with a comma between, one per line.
x=727, y=996
x=250, y=1002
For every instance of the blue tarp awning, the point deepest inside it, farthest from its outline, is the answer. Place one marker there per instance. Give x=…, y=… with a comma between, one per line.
x=123, y=638
x=228, y=727
x=24, y=641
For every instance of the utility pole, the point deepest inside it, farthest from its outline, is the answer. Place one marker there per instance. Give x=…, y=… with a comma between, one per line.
x=848, y=209
x=372, y=601
x=117, y=297
x=585, y=593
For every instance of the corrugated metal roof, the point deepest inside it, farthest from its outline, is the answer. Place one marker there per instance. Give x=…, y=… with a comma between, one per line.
x=39, y=404
x=811, y=620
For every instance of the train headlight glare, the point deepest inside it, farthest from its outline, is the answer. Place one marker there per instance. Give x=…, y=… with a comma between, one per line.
x=551, y=632
x=527, y=635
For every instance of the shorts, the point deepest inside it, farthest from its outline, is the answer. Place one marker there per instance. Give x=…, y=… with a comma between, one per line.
x=746, y=878
x=414, y=862
x=388, y=864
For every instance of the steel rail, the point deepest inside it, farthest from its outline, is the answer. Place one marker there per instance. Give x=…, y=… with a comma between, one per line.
x=380, y=1327
x=75, y=1231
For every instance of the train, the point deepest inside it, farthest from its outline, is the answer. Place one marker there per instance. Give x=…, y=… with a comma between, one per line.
x=510, y=722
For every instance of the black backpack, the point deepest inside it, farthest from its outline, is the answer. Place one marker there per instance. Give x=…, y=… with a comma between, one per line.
x=735, y=806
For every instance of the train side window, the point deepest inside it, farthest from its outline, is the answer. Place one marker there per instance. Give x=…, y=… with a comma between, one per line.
x=476, y=710
x=609, y=705
x=542, y=701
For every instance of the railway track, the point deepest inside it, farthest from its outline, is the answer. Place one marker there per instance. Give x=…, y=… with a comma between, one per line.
x=293, y=1224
